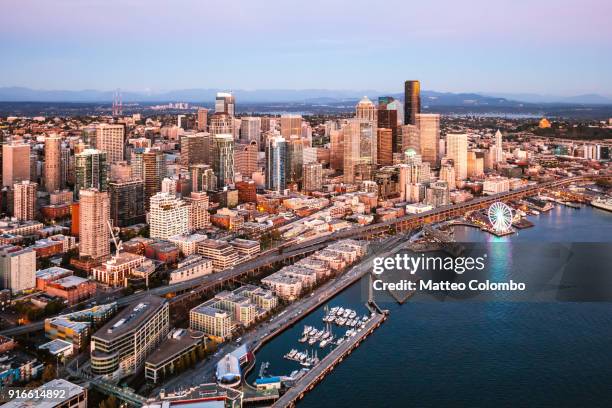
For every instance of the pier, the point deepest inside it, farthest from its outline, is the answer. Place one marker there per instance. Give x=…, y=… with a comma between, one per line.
x=327, y=364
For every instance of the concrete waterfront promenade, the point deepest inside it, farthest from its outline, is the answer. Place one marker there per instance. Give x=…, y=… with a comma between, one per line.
x=328, y=363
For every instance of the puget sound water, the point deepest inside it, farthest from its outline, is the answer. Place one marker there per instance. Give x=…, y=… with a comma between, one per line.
x=441, y=351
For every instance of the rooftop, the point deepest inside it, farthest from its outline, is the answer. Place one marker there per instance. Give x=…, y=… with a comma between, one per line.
x=71, y=391
x=130, y=318
x=180, y=340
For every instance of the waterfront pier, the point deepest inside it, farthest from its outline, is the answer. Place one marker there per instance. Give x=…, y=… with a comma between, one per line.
x=329, y=362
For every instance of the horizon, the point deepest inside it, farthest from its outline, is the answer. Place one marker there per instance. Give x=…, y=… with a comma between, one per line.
x=155, y=46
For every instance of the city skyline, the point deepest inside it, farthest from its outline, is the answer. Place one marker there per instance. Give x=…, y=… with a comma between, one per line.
x=467, y=47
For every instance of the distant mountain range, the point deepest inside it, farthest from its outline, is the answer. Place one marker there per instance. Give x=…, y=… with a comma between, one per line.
x=310, y=96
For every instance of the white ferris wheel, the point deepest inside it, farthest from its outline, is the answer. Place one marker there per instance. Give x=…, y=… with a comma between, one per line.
x=500, y=216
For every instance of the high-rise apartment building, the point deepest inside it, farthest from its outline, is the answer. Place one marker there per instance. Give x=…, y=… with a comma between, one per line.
x=149, y=166
x=202, y=178
x=360, y=150
x=199, y=218
x=384, y=140
x=194, y=148
x=456, y=149
x=91, y=168
x=17, y=268
x=245, y=158
x=24, y=200
x=53, y=146
x=313, y=176
x=295, y=159
x=223, y=159
x=412, y=101
x=94, y=233
x=225, y=103
x=202, y=119
x=250, y=129
x=111, y=139
x=126, y=202
x=429, y=136
x=499, y=151
x=387, y=119
x=336, y=154
x=168, y=216
x=15, y=163
x=276, y=162
x=291, y=125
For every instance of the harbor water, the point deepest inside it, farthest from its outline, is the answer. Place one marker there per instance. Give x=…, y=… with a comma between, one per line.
x=440, y=351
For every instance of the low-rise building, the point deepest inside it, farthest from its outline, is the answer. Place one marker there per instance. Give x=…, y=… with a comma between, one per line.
x=246, y=248
x=187, y=244
x=221, y=253
x=191, y=267
x=179, y=343
x=116, y=270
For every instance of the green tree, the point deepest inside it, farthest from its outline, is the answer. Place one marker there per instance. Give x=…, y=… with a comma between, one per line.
x=48, y=372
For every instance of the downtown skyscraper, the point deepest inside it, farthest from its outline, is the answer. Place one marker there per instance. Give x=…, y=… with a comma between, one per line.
x=412, y=101
x=276, y=162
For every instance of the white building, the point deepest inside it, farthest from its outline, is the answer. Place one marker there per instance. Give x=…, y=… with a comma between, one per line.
x=495, y=185
x=17, y=268
x=169, y=216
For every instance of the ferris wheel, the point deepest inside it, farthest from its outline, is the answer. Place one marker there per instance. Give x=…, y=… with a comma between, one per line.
x=500, y=216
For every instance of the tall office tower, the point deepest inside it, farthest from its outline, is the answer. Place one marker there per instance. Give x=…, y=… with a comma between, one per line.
x=360, y=150
x=221, y=123
x=387, y=119
x=202, y=119
x=245, y=158
x=384, y=139
x=295, y=159
x=399, y=108
x=24, y=200
x=153, y=172
x=94, y=233
x=223, y=161
x=475, y=164
x=168, y=216
x=1, y=155
x=91, y=170
x=268, y=124
x=202, y=178
x=276, y=162
x=410, y=138
x=194, y=148
x=291, y=125
x=15, y=163
x=336, y=154
x=17, y=268
x=499, y=151
x=313, y=176
x=66, y=167
x=225, y=103
x=365, y=110
x=52, y=163
x=412, y=101
x=111, y=139
x=429, y=135
x=198, y=211
x=456, y=149
x=126, y=202
x=250, y=129
x=447, y=173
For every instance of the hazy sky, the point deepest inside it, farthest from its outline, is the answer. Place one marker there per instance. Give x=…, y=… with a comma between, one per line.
x=561, y=47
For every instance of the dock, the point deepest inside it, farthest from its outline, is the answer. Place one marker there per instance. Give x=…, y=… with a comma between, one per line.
x=327, y=364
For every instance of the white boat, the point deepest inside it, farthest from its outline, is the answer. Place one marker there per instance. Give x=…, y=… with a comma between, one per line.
x=341, y=321
x=353, y=314
x=323, y=343
x=334, y=310
x=340, y=341
x=303, y=339
x=312, y=341
x=340, y=312
x=346, y=313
